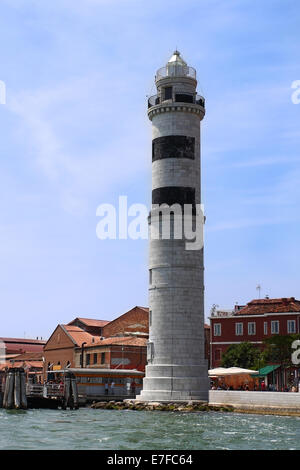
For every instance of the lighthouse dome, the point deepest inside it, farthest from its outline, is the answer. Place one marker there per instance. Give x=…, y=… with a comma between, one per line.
x=176, y=59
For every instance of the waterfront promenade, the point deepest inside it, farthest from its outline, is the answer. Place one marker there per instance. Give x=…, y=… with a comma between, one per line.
x=280, y=403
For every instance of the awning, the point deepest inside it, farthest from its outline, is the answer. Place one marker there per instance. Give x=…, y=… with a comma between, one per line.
x=266, y=370
x=222, y=371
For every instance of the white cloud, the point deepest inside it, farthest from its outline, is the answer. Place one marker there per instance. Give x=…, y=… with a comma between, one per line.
x=57, y=125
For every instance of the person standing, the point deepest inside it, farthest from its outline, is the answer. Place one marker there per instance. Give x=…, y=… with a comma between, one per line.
x=106, y=388
x=133, y=385
x=112, y=387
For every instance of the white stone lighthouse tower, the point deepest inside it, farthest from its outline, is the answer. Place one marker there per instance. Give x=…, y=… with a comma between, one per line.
x=177, y=369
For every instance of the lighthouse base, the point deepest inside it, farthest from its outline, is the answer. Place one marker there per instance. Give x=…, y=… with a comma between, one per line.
x=167, y=383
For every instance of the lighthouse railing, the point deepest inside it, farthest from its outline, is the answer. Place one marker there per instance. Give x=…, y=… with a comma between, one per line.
x=175, y=71
x=179, y=98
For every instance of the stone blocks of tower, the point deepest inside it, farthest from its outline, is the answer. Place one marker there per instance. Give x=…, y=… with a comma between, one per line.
x=176, y=367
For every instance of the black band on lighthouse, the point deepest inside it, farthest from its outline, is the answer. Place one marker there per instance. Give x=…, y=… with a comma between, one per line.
x=173, y=146
x=174, y=195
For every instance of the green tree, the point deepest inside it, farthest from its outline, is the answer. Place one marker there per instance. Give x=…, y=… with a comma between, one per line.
x=278, y=349
x=243, y=355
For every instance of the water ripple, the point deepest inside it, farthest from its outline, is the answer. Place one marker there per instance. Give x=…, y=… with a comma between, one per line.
x=132, y=430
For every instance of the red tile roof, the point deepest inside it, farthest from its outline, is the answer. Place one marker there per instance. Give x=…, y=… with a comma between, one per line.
x=90, y=322
x=21, y=345
x=261, y=306
x=22, y=340
x=25, y=364
x=35, y=364
x=29, y=356
x=144, y=310
x=120, y=340
x=5, y=365
x=22, y=348
x=77, y=335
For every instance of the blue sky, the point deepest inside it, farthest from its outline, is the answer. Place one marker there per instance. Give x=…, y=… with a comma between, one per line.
x=75, y=134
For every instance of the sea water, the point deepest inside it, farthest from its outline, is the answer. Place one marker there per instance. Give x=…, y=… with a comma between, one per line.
x=88, y=428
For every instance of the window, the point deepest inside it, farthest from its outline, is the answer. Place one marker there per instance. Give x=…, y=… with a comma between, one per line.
x=239, y=329
x=150, y=317
x=291, y=326
x=168, y=93
x=217, y=329
x=275, y=327
x=150, y=351
x=87, y=359
x=96, y=380
x=217, y=354
x=150, y=276
x=95, y=358
x=251, y=328
x=103, y=358
x=265, y=328
x=184, y=98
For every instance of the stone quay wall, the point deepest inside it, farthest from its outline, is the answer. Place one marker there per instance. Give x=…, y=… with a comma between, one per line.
x=283, y=403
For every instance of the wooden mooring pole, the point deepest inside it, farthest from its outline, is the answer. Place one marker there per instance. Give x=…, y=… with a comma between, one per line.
x=70, y=392
x=15, y=389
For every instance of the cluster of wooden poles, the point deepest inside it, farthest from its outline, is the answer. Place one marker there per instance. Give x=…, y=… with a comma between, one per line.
x=13, y=395
x=15, y=389
x=71, y=392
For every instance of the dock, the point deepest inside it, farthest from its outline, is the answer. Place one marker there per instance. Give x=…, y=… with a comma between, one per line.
x=16, y=393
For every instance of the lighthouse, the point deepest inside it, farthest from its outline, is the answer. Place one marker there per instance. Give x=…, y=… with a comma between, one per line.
x=176, y=367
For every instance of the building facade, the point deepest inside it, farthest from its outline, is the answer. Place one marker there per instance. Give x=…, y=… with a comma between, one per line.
x=98, y=343
x=177, y=369
x=119, y=352
x=12, y=347
x=258, y=320
x=59, y=351
x=134, y=322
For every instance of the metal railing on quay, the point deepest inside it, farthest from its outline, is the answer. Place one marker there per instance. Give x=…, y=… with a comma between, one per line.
x=46, y=390
x=34, y=390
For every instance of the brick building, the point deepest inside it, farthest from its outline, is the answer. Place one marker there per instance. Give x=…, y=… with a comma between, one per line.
x=60, y=347
x=12, y=347
x=120, y=343
x=32, y=362
x=258, y=320
x=104, y=344
x=122, y=352
x=92, y=326
x=207, y=343
x=134, y=322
